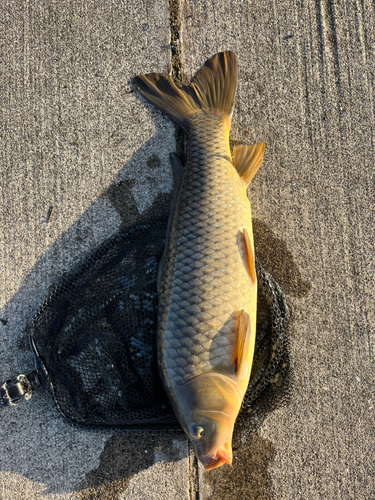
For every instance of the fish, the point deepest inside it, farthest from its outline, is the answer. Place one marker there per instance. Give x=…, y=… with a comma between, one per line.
x=207, y=283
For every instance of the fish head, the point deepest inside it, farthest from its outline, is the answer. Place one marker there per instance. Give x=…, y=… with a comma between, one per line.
x=208, y=406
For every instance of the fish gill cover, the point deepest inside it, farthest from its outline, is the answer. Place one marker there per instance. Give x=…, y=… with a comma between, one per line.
x=96, y=334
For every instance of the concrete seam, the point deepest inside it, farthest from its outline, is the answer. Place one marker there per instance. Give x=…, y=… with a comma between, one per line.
x=194, y=493
x=175, y=26
x=174, y=18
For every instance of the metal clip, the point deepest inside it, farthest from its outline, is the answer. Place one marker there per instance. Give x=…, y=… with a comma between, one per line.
x=21, y=388
x=14, y=391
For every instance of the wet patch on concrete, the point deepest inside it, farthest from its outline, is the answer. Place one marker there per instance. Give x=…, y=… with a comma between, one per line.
x=122, y=200
x=153, y=162
x=23, y=344
x=121, y=197
x=125, y=455
x=249, y=478
x=278, y=260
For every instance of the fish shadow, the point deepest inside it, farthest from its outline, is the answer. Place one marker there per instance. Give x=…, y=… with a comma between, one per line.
x=37, y=424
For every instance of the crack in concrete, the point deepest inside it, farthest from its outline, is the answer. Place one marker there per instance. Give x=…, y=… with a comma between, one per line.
x=194, y=493
x=174, y=17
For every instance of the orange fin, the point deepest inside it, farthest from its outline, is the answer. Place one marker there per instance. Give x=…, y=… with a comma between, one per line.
x=249, y=256
x=247, y=160
x=212, y=88
x=243, y=344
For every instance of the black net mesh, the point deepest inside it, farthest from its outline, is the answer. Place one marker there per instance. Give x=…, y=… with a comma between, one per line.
x=96, y=333
x=270, y=376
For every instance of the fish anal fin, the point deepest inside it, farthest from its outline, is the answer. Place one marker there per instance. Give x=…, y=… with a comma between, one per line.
x=247, y=160
x=243, y=345
x=249, y=256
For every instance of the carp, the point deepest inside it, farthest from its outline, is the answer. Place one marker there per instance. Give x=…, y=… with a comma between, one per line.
x=207, y=284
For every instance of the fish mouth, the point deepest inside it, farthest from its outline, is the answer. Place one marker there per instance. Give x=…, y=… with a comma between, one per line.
x=223, y=455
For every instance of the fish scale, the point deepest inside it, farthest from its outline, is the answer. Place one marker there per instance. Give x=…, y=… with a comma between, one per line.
x=205, y=280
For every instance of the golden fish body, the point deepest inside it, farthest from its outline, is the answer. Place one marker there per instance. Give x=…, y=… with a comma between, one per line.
x=207, y=289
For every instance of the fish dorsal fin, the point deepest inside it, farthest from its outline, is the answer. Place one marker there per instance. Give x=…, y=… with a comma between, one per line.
x=178, y=171
x=249, y=256
x=243, y=345
x=247, y=160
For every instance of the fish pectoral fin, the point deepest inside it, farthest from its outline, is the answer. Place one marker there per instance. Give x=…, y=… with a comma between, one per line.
x=243, y=345
x=249, y=256
x=247, y=160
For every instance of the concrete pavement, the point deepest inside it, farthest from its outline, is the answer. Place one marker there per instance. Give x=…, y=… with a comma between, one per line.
x=75, y=137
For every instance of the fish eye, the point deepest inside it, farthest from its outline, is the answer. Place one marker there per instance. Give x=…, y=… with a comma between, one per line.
x=196, y=431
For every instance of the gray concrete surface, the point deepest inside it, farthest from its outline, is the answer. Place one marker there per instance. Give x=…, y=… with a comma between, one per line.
x=74, y=136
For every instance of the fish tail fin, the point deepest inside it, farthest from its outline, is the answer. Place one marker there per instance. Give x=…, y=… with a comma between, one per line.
x=212, y=88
